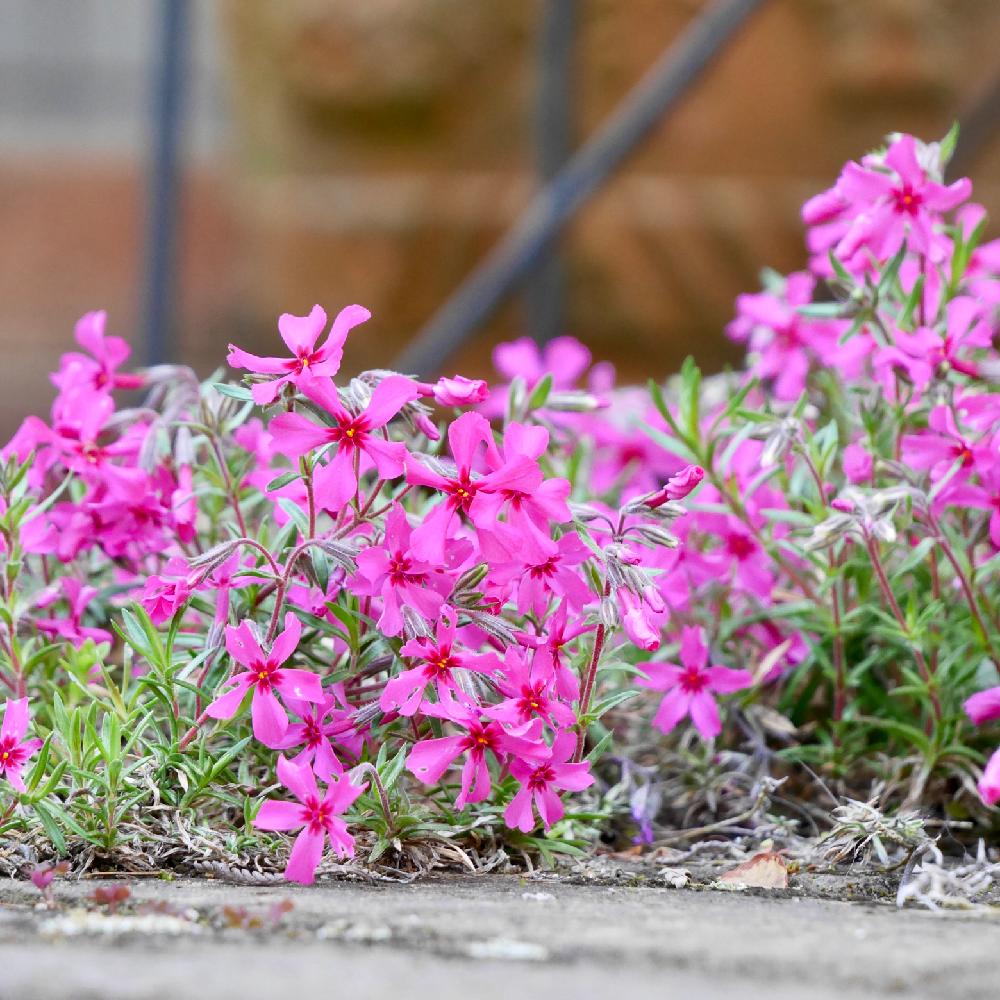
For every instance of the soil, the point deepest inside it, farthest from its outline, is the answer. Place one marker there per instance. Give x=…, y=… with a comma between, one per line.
x=604, y=931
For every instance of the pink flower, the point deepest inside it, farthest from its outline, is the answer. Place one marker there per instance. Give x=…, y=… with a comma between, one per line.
x=318, y=817
x=542, y=576
x=984, y=706
x=438, y=658
x=353, y=434
x=300, y=334
x=465, y=437
x=14, y=748
x=691, y=685
x=540, y=783
x=886, y=203
x=549, y=650
x=99, y=371
x=322, y=725
x=78, y=596
x=639, y=620
x=390, y=571
x=519, y=490
x=265, y=676
x=857, y=464
x=781, y=340
x=528, y=694
x=944, y=446
x=989, y=784
x=429, y=759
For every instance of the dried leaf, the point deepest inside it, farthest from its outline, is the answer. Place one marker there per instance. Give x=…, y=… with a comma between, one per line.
x=766, y=870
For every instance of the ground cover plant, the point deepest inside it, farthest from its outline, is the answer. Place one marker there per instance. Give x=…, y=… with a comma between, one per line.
x=290, y=618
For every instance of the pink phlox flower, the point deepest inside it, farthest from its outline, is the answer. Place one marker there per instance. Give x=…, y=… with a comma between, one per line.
x=14, y=748
x=266, y=676
x=467, y=435
x=781, y=340
x=984, y=706
x=317, y=814
x=300, y=334
x=352, y=434
x=322, y=726
x=430, y=758
x=989, y=783
x=78, y=596
x=678, y=486
x=896, y=201
x=739, y=555
x=97, y=370
x=165, y=593
x=549, y=649
x=528, y=500
x=691, y=686
x=437, y=660
x=541, y=782
x=390, y=571
x=857, y=464
x=944, y=450
x=539, y=579
x=642, y=617
x=528, y=693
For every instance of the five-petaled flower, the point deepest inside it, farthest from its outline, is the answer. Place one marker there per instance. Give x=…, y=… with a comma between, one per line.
x=691, y=686
x=14, y=748
x=300, y=334
x=316, y=814
x=265, y=676
x=541, y=782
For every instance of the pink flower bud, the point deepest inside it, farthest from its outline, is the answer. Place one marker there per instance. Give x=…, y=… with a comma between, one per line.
x=460, y=391
x=678, y=486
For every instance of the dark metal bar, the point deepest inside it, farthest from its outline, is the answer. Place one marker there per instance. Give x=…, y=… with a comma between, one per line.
x=659, y=90
x=164, y=182
x=554, y=144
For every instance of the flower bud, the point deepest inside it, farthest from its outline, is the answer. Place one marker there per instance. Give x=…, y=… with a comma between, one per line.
x=677, y=486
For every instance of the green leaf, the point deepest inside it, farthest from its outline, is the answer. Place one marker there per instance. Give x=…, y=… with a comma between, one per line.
x=233, y=391
x=283, y=480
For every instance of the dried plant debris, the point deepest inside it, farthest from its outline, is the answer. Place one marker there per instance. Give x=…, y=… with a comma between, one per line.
x=937, y=884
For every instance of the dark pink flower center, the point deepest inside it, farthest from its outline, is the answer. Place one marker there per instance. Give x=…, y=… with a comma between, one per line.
x=480, y=739
x=313, y=733
x=462, y=491
x=303, y=362
x=532, y=699
x=11, y=755
x=907, y=200
x=350, y=432
x=693, y=680
x=541, y=777
x=316, y=814
x=740, y=546
x=265, y=676
x=546, y=569
x=399, y=570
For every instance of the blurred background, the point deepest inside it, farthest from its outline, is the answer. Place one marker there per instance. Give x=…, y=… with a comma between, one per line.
x=197, y=167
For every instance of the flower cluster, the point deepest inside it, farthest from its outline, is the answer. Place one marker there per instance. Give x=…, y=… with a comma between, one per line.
x=389, y=592
x=356, y=580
